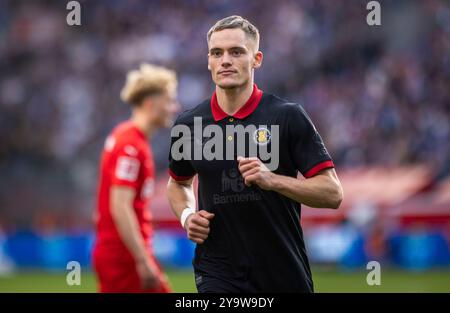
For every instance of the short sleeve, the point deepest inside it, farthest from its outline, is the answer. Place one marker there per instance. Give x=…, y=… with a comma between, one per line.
x=306, y=145
x=127, y=165
x=180, y=167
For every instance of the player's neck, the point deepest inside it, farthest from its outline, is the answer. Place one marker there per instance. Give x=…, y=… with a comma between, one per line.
x=231, y=100
x=142, y=124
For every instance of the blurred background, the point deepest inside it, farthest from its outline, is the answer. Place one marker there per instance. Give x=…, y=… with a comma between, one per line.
x=379, y=95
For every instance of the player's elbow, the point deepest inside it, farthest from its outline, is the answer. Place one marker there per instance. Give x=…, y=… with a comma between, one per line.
x=336, y=195
x=121, y=200
x=118, y=209
x=117, y=212
x=172, y=187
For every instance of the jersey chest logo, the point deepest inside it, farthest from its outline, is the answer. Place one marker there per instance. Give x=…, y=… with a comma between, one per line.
x=262, y=136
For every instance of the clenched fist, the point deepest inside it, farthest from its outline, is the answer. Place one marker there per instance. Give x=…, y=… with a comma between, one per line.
x=255, y=172
x=197, y=226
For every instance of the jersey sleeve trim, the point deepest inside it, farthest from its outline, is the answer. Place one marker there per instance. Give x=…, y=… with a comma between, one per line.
x=317, y=168
x=179, y=178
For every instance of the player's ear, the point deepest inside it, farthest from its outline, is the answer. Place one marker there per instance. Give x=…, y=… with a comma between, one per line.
x=257, y=62
x=209, y=66
x=147, y=103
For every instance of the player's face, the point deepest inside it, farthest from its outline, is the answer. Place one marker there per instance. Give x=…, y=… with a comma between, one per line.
x=162, y=109
x=232, y=58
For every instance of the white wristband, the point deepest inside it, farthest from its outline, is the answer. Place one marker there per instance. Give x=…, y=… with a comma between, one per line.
x=185, y=214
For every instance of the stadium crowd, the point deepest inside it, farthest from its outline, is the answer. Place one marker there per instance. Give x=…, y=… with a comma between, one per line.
x=378, y=94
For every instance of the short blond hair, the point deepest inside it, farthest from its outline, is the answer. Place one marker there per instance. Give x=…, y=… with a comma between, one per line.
x=148, y=80
x=233, y=22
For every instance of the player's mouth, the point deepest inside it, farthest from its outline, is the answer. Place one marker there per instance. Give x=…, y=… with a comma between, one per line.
x=227, y=72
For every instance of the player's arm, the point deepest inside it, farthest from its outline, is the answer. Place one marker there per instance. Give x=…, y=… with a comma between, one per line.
x=181, y=195
x=321, y=187
x=127, y=225
x=182, y=201
x=323, y=190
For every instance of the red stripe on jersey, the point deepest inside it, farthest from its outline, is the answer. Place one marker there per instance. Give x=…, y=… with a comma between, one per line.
x=179, y=178
x=316, y=169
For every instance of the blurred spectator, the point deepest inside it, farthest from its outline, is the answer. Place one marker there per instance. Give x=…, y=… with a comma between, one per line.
x=379, y=95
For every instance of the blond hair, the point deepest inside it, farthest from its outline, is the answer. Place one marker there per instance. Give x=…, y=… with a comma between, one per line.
x=236, y=21
x=146, y=81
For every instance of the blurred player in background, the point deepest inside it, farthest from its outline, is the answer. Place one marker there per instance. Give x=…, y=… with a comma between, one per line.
x=123, y=257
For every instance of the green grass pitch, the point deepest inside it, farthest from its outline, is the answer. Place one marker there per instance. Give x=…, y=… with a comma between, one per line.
x=325, y=280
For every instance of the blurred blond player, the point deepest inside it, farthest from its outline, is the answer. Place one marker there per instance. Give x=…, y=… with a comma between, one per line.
x=123, y=258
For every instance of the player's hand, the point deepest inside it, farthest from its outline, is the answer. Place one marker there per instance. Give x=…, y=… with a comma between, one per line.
x=148, y=274
x=197, y=226
x=255, y=172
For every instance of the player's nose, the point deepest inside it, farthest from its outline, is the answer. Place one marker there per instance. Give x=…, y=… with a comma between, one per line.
x=226, y=60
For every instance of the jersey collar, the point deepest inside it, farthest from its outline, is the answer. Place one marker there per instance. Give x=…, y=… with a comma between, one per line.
x=244, y=111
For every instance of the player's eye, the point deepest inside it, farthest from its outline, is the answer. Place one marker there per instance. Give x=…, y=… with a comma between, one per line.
x=236, y=53
x=216, y=53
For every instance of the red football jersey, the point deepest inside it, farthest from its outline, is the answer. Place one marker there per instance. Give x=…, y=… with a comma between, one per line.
x=127, y=161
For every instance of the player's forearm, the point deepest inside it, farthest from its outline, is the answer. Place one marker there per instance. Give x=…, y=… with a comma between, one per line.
x=181, y=196
x=128, y=229
x=320, y=191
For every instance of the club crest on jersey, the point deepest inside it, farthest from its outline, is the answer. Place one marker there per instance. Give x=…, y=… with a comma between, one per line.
x=262, y=136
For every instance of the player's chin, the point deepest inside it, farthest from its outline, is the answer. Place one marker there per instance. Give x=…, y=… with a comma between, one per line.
x=228, y=83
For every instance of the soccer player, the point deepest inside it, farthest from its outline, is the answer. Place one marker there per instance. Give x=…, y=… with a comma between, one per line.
x=122, y=256
x=247, y=227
